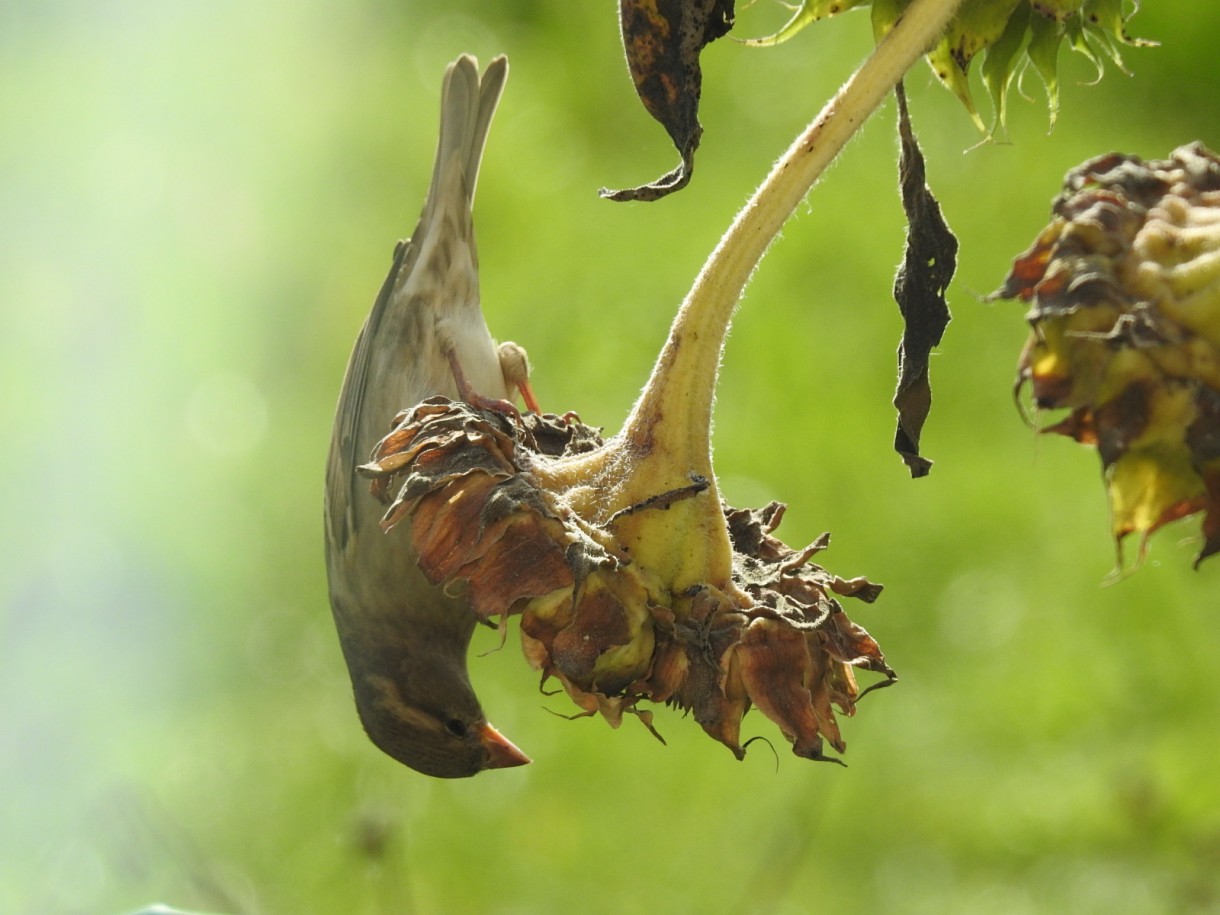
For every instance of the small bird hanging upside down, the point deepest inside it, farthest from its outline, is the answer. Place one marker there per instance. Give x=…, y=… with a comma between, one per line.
x=405, y=640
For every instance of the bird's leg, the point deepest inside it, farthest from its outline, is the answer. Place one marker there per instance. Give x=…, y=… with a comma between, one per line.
x=468, y=394
x=515, y=366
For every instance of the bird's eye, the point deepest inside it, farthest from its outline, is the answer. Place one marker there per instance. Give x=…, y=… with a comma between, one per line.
x=456, y=727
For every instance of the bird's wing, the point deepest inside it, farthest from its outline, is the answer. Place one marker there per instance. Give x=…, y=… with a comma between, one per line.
x=467, y=105
x=345, y=445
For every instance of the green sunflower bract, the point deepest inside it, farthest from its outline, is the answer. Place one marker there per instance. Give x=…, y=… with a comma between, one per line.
x=1011, y=36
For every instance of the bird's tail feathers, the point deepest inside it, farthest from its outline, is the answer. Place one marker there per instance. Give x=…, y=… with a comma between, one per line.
x=467, y=106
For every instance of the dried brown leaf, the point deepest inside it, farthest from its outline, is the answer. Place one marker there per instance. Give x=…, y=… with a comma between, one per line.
x=663, y=40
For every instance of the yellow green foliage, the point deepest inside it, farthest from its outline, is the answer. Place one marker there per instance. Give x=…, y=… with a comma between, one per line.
x=1011, y=36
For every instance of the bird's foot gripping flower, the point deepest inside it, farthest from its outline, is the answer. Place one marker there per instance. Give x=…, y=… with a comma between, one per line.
x=501, y=507
x=1124, y=295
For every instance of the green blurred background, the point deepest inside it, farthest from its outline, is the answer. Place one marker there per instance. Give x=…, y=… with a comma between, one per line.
x=198, y=202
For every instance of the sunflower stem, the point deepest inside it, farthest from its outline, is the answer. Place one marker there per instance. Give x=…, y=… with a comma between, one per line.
x=683, y=380
x=666, y=440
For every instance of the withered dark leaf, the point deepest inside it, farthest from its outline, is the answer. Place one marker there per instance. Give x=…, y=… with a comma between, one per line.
x=919, y=289
x=663, y=40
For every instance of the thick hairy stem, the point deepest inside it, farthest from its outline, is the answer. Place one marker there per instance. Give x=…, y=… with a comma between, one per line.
x=666, y=440
x=683, y=380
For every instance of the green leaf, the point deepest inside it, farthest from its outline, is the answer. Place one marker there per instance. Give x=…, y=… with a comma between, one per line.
x=1044, y=40
x=885, y=13
x=808, y=12
x=1001, y=62
x=947, y=69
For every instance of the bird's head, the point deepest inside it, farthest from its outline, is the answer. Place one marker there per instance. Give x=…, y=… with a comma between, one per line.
x=424, y=713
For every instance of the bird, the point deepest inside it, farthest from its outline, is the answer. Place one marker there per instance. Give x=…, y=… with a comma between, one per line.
x=404, y=639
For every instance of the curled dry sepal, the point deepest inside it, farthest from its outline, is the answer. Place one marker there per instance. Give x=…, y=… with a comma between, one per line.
x=597, y=620
x=1124, y=295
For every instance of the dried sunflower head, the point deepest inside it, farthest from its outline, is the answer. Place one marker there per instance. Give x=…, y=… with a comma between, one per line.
x=1123, y=289
x=602, y=623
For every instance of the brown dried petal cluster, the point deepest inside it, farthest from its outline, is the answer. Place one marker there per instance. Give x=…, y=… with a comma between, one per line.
x=1124, y=293
x=602, y=625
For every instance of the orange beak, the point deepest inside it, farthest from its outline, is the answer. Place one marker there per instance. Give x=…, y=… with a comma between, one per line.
x=501, y=752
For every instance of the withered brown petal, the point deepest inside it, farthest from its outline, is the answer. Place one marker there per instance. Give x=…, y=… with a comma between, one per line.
x=850, y=643
x=858, y=587
x=777, y=670
x=523, y=561
x=1079, y=425
x=1211, y=520
x=441, y=526
x=599, y=624
x=1029, y=267
x=669, y=670
x=716, y=699
x=820, y=693
x=1203, y=438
